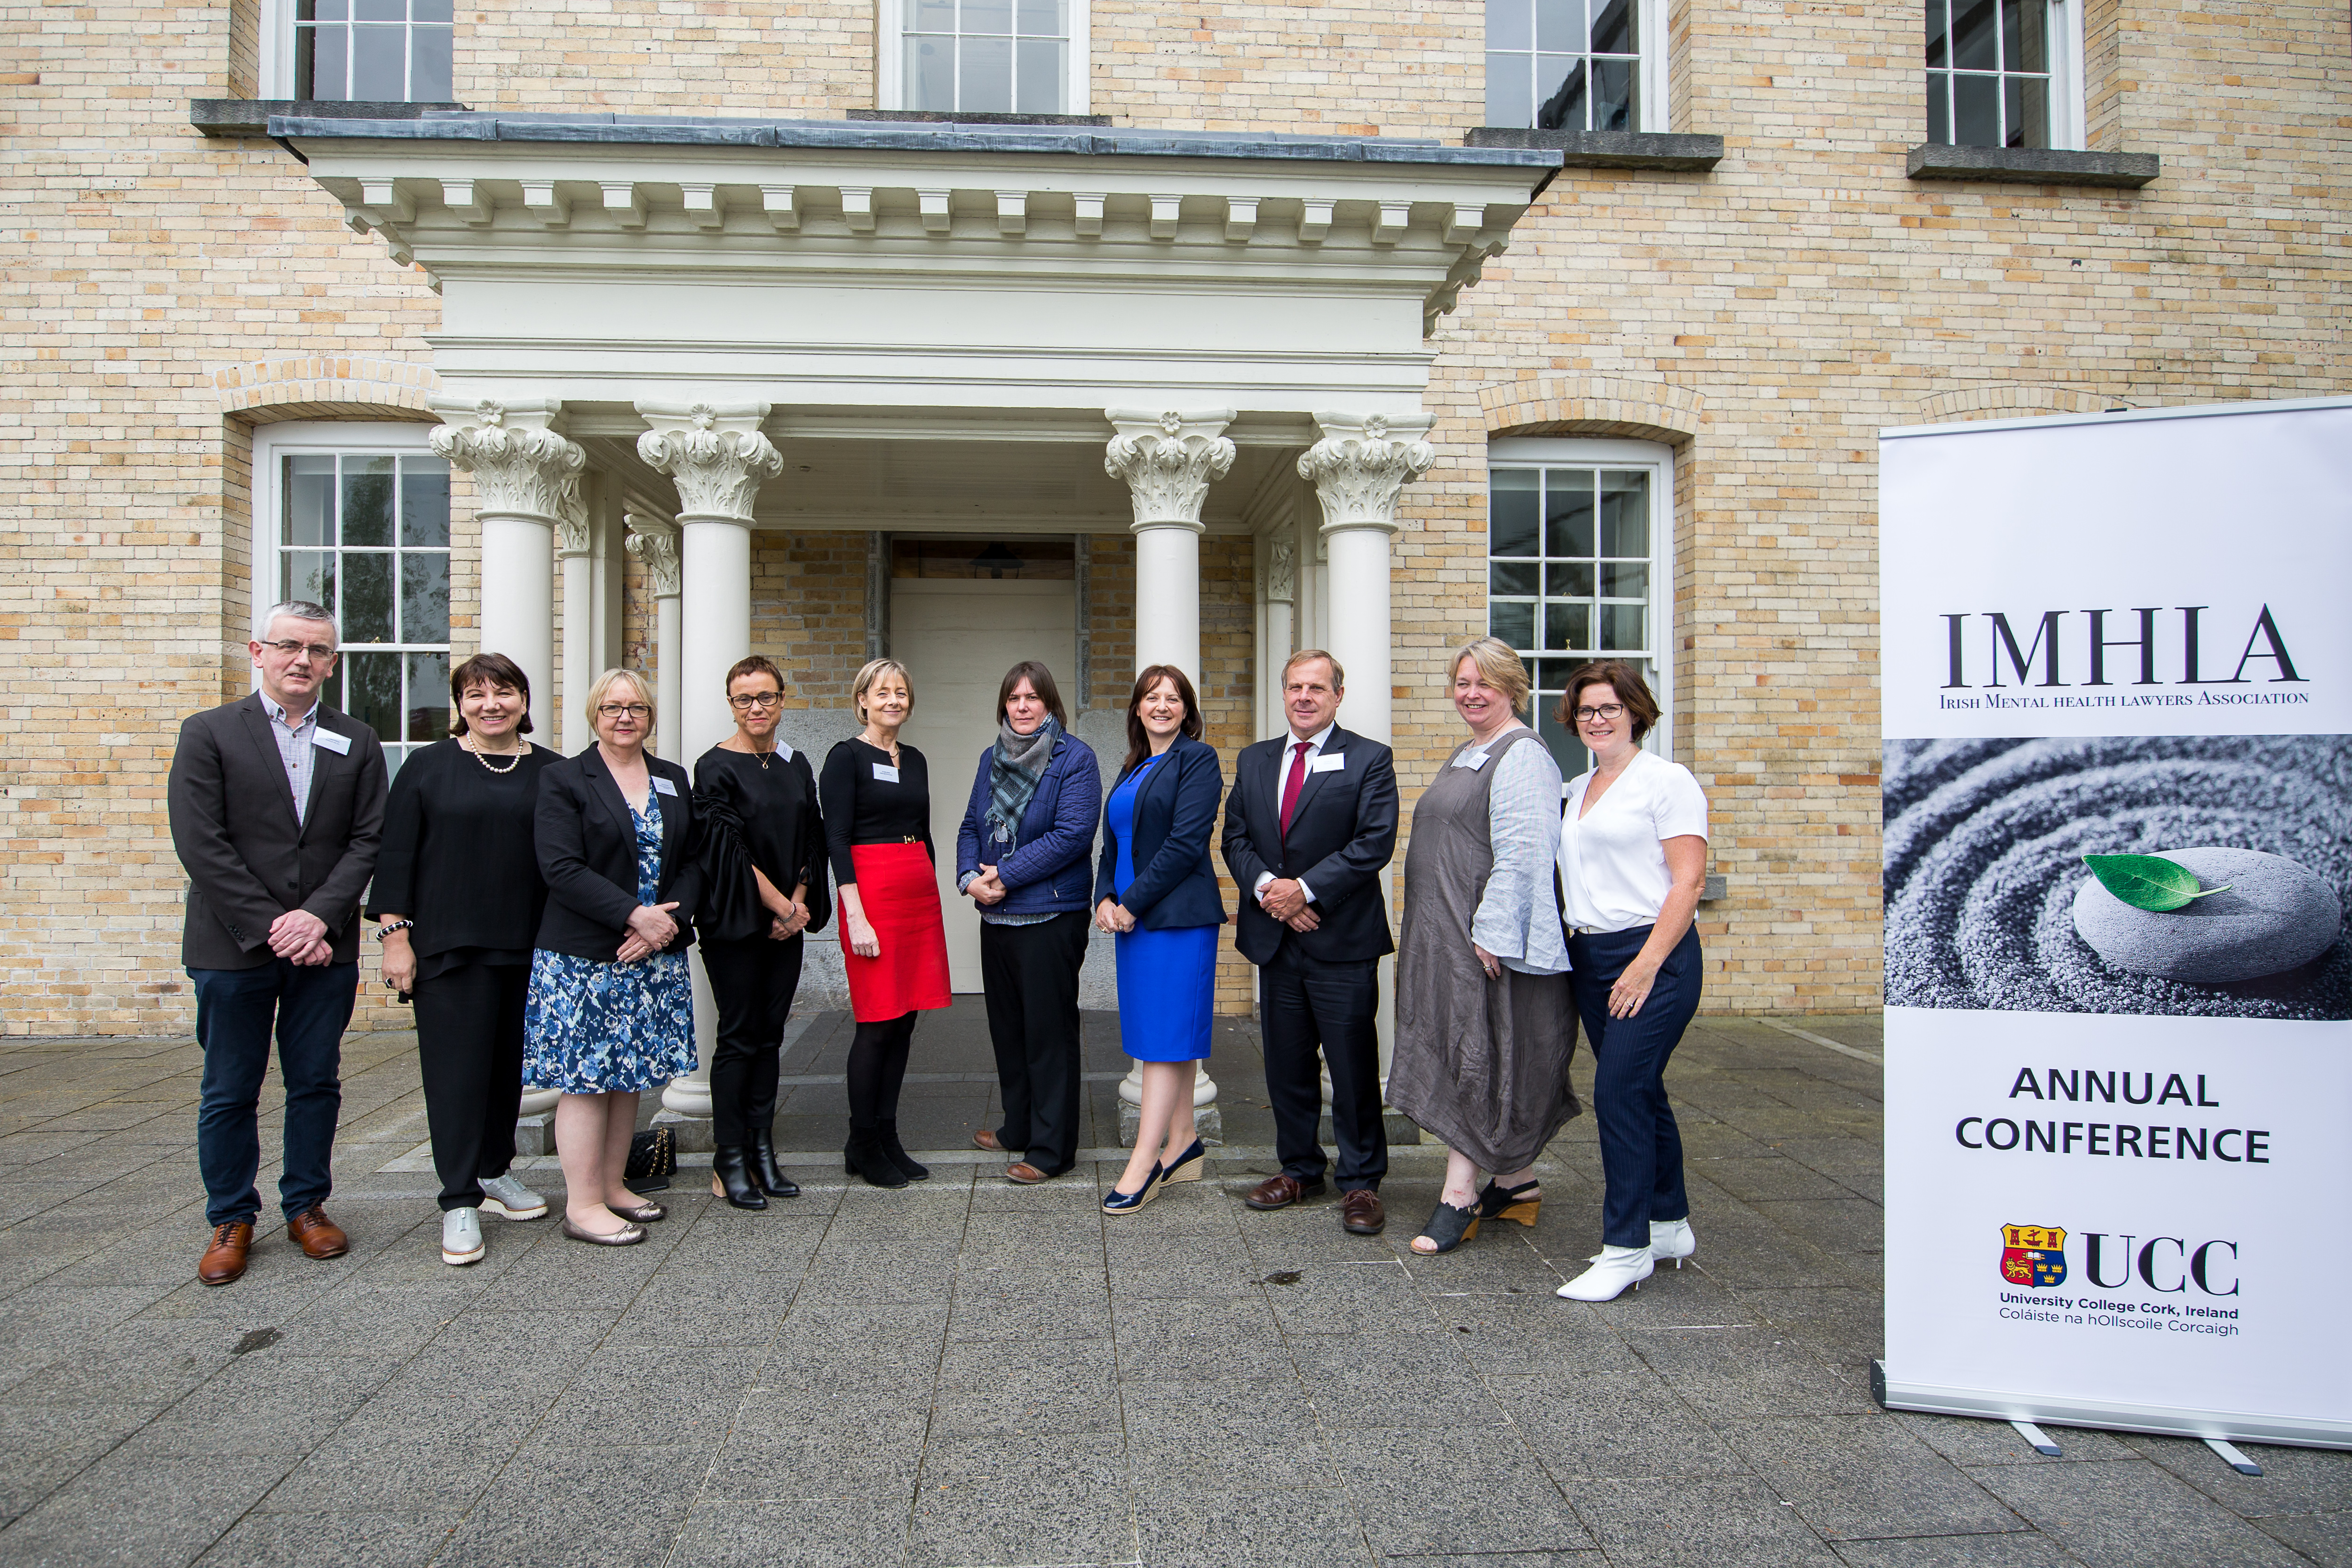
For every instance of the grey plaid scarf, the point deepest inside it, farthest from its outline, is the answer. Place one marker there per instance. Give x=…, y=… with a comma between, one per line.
x=1014, y=772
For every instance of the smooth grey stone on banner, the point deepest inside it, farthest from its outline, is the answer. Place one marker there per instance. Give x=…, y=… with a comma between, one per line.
x=2278, y=914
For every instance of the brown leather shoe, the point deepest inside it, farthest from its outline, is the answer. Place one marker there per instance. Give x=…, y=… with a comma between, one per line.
x=1281, y=1191
x=223, y=1260
x=985, y=1139
x=1021, y=1173
x=317, y=1235
x=1361, y=1212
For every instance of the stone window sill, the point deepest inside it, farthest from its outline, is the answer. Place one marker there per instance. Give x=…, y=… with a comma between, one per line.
x=1666, y=151
x=250, y=116
x=940, y=117
x=2033, y=166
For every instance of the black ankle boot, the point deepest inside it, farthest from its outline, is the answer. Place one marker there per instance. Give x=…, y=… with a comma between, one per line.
x=763, y=1166
x=731, y=1166
x=897, y=1152
x=865, y=1157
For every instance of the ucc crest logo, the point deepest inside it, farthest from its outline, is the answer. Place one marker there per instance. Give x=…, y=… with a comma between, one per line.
x=2033, y=1255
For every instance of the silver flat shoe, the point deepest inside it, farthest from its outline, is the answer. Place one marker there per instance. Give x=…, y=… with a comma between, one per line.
x=628, y=1236
x=641, y=1213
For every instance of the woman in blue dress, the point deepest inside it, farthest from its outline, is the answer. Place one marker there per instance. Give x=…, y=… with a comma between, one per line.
x=1156, y=888
x=610, y=1012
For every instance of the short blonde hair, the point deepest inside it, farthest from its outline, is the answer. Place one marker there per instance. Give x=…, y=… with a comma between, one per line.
x=876, y=668
x=612, y=678
x=1500, y=666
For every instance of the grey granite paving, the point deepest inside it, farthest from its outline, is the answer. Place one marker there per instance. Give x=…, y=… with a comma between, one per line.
x=966, y=1374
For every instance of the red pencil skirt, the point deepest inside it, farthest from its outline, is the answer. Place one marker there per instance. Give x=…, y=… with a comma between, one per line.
x=900, y=893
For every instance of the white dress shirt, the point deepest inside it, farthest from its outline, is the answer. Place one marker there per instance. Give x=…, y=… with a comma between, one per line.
x=1282, y=796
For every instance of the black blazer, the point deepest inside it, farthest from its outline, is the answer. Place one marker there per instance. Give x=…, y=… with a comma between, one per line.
x=248, y=860
x=588, y=853
x=1343, y=831
x=1175, y=812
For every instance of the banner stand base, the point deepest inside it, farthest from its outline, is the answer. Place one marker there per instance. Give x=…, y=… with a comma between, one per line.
x=1992, y=1404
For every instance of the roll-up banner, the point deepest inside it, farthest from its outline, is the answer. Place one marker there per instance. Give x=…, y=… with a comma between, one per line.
x=2117, y=737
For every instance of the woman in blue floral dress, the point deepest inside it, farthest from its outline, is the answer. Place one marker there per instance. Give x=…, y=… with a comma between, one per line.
x=611, y=1010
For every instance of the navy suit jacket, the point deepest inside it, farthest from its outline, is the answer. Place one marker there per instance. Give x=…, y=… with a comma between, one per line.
x=1343, y=833
x=1175, y=813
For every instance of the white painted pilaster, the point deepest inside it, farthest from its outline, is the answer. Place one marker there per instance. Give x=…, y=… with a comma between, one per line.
x=655, y=543
x=1358, y=469
x=1168, y=461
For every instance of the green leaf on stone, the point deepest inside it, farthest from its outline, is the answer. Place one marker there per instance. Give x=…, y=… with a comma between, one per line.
x=2149, y=881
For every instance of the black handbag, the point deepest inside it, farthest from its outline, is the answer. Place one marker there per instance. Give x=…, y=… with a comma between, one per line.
x=653, y=1160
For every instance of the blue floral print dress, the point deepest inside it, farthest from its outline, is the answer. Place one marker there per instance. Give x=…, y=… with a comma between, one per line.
x=595, y=1026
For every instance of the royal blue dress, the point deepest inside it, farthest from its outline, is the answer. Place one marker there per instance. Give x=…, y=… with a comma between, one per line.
x=1166, y=979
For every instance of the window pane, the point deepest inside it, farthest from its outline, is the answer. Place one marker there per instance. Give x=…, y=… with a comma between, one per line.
x=430, y=11
x=1515, y=623
x=930, y=74
x=1560, y=739
x=1612, y=95
x=2029, y=112
x=1554, y=673
x=1511, y=511
x=993, y=18
x=1568, y=627
x=428, y=696
x=1936, y=32
x=1560, y=26
x=309, y=501
x=1042, y=65
x=1507, y=25
x=424, y=595
x=309, y=574
x=367, y=597
x=425, y=502
x=322, y=10
x=1612, y=27
x=1976, y=110
x=1939, y=108
x=2029, y=47
x=1568, y=511
x=1624, y=580
x=1043, y=17
x=379, y=10
x=1563, y=103
x=367, y=501
x=932, y=16
x=1572, y=579
x=431, y=70
x=1621, y=626
x=1625, y=513
x=319, y=65
x=984, y=75
x=1512, y=579
x=1972, y=34
x=379, y=64
x=1510, y=96
x=372, y=692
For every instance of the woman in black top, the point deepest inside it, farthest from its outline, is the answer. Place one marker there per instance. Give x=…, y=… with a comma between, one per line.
x=763, y=884
x=459, y=893
x=877, y=833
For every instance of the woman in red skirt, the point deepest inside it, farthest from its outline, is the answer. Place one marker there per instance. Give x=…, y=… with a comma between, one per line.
x=877, y=796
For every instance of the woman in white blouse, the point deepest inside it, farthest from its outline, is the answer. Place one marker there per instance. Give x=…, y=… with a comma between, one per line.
x=1633, y=861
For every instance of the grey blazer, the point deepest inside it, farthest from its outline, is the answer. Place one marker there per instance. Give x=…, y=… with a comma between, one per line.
x=248, y=860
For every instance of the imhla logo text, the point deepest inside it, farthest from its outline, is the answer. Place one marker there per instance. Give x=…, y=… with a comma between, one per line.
x=2138, y=647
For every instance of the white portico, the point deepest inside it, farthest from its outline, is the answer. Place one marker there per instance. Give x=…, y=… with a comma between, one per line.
x=724, y=328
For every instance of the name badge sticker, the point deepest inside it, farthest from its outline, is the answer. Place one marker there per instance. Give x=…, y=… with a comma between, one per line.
x=1474, y=761
x=338, y=744
x=886, y=773
x=1329, y=764
x=663, y=785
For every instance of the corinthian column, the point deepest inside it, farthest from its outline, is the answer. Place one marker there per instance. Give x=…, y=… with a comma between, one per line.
x=716, y=457
x=527, y=484
x=1358, y=468
x=1168, y=461
x=654, y=543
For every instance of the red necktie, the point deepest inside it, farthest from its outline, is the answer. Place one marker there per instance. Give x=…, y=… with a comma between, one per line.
x=1292, y=785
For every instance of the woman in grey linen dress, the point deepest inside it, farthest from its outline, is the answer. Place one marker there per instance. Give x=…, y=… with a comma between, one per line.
x=1486, y=1021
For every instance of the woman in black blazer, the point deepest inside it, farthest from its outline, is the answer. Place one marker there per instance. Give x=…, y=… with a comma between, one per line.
x=1156, y=888
x=611, y=1011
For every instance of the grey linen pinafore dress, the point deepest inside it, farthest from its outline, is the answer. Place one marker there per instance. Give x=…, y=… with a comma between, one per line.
x=1481, y=1063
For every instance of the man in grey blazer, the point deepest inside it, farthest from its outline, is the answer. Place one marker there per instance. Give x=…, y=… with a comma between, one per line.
x=276, y=805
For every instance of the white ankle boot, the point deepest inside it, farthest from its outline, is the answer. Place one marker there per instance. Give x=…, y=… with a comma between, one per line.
x=1613, y=1269
x=1672, y=1238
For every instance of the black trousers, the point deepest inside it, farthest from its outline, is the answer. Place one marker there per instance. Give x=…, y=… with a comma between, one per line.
x=1306, y=1005
x=1031, y=975
x=755, y=982
x=470, y=1041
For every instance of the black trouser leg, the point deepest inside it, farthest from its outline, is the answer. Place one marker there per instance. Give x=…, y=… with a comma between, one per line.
x=753, y=982
x=1346, y=1002
x=1032, y=976
x=1294, y=1083
x=1008, y=998
x=469, y=1049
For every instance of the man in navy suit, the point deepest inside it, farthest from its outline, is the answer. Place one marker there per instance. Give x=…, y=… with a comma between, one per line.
x=1310, y=823
x=277, y=803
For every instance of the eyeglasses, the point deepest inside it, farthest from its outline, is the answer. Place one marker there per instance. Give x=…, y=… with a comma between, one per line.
x=290, y=648
x=619, y=710
x=757, y=699
x=1608, y=712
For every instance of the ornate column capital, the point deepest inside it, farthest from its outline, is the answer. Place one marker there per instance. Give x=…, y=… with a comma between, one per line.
x=715, y=453
x=522, y=465
x=1361, y=463
x=1166, y=460
x=1282, y=565
x=655, y=543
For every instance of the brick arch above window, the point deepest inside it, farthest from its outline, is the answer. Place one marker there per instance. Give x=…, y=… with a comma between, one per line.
x=1593, y=406
x=2013, y=400
x=327, y=386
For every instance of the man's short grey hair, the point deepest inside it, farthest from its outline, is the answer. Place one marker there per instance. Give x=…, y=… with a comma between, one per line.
x=294, y=609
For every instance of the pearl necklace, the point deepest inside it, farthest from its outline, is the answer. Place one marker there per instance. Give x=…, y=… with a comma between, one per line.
x=467, y=742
